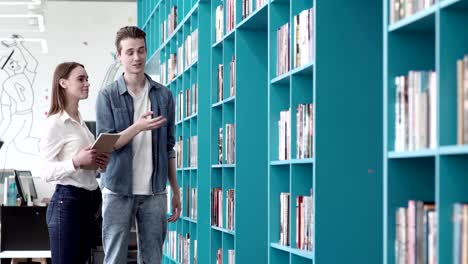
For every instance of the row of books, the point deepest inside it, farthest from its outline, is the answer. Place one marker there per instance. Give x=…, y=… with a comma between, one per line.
x=303, y=38
x=191, y=48
x=304, y=133
x=176, y=62
x=179, y=148
x=217, y=208
x=416, y=111
x=282, y=50
x=416, y=233
x=169, y=25
x=304, y=221
x=191, y=206
x=400, y=9
x=177, y=247
x=192, y=151
x=230, y=15
x=460, y=233
x=462, y=100
x=189, y=201
x=187, y=100
x=232, y=79
x=247, y=8
x=231, y=256
x=219, y=23
x=230, y=145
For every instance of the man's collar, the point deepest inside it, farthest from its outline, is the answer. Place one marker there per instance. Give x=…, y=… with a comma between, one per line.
x=122, y=86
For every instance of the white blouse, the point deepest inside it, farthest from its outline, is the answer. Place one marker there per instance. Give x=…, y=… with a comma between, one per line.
x=63, y=138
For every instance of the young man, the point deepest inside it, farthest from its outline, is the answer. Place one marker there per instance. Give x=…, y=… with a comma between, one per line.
x=134, y=183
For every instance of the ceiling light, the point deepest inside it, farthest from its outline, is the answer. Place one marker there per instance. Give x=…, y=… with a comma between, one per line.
x=32, y=2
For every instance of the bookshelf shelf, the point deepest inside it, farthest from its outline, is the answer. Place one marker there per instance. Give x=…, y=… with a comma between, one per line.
x=224, y=230
x=292, y=161
x=454, y=150
x=229, y=100
x=220, y=166
x=282, y=79
x=188, y=219
x=295, y=251
x=412, y=154
x=421, y=21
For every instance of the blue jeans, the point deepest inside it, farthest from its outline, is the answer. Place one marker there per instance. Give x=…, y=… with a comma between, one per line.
x=119, y=211
x=70, y=217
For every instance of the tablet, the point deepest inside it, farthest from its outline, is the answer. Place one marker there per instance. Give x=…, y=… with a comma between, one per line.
x=105, y=142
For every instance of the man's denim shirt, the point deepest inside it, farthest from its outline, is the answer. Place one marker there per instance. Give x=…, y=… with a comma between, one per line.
x=114, y=114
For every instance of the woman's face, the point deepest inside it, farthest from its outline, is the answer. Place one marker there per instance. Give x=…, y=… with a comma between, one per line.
x=77, y=85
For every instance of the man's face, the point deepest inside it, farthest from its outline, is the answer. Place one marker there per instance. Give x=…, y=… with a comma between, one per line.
x=132, y=55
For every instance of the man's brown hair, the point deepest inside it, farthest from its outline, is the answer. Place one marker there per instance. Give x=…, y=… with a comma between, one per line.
x=128, y=32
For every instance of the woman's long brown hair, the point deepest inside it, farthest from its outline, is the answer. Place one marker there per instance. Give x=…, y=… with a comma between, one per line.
x=58, y=101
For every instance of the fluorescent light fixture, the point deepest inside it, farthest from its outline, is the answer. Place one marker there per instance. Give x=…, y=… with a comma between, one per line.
x=39, y=18
x=42, y=41
x=32, y=2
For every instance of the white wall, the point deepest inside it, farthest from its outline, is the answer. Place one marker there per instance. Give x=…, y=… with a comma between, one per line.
x=75, y=31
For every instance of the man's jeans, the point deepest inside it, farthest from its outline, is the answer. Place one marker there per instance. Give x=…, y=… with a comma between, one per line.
x=118, y=212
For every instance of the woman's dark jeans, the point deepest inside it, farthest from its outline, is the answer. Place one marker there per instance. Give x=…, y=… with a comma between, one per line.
x=71, y=217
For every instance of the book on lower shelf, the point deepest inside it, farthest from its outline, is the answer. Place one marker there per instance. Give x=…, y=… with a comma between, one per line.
x=190, y=198
x=284, y=219
x=304, y=131
x=177, y=247
x=230, y=144
x=230, y=209
x=231, y=256
x=220, y=82
x=217, y=207
x=416, y=233
x=304, y=222
x=416, y=111
x=232, y=76
x=284, y=135
x=179, y=149
x=192, y=151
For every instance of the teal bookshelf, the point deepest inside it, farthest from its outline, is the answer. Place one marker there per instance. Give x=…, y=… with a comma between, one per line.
x=429, y=39
x=245, y=107
x=342, y=84
x=191, y=16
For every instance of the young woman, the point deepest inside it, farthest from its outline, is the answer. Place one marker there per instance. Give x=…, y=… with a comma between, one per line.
x=72, y=166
